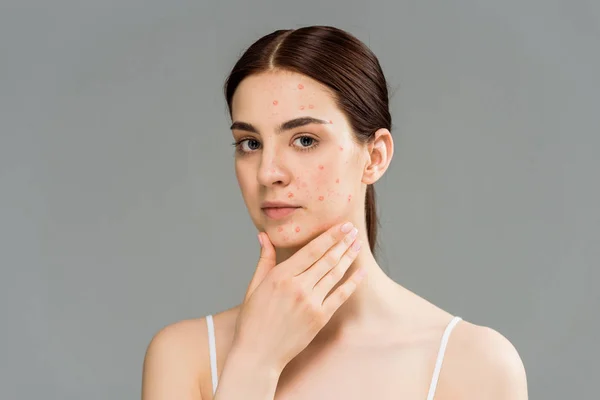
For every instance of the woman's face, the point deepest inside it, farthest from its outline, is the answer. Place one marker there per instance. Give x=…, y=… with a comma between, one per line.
x=295, y=147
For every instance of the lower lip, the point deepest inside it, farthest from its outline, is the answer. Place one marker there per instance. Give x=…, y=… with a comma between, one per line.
x=279, y=212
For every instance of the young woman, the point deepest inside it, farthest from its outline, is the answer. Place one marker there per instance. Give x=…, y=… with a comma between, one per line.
x=320, y=319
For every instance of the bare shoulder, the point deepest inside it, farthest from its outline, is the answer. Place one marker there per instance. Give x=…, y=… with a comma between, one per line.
x=172, y=362
x=177, y=361
x=481, y=363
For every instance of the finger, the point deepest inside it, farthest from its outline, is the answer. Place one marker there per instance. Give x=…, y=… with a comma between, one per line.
x=335, y=274
x=317, y=247
x=342, y=293
x=265, y=264
x=329, y=260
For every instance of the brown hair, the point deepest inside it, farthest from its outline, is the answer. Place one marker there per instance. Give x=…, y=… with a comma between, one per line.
x=341, y=62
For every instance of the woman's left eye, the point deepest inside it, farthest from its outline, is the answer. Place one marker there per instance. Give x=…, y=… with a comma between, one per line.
x=304, y=141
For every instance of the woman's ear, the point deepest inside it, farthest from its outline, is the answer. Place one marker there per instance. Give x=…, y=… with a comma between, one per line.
x=380, y=152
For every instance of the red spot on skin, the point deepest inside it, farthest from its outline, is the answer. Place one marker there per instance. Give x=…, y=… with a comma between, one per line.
x=321, y=167
x=275, y=102
x=302, y=107
x=286, y=238
x=341, y=148
x=349, y=197
x=300, y=86
x=297, y=229
x=290, y=195
x=330, y=121
x=311, y=106
x=321, y=198
x=304, y=184
x=337, y=181
x=280, y=229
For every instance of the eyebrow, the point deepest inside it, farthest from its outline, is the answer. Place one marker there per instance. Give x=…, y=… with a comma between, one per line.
x=286, y=126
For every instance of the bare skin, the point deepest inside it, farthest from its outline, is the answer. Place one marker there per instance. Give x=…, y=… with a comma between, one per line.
x=383, y=341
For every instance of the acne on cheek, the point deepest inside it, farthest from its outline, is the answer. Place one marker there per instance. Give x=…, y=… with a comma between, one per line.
x=290, y=195
x=275, y=102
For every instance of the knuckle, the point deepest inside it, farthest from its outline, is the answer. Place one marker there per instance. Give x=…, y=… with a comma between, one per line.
x=300, y=295
x=334, y=237
x=331, y=259
x=314, y=253
x=336, y=274
x=348, y=240
x=280, y=283
x=344, y=292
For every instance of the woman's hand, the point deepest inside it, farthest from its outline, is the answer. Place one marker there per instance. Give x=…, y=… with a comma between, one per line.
x=285, y=305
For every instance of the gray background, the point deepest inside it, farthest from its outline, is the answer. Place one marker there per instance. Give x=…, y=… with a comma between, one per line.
x=120, y=212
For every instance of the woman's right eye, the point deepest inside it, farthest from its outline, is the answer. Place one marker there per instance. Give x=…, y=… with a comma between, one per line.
x=248, y=145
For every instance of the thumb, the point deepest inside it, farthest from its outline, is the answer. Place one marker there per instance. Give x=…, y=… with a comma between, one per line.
x=265, y=264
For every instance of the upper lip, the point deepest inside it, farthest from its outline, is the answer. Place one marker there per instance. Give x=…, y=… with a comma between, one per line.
x=277, y=204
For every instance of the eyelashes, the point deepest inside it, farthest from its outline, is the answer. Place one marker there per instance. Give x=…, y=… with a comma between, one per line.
x=246, y=146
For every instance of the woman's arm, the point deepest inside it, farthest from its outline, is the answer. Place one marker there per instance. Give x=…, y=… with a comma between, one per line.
x=245, y=377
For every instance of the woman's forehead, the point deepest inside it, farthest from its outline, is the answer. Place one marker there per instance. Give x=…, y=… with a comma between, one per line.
x=282, y=95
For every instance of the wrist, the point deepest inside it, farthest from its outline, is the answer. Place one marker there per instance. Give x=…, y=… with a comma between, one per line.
x=252, y=360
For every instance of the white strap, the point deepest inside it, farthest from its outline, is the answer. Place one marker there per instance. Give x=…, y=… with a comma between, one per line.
x=213, y=351
x=440, y=357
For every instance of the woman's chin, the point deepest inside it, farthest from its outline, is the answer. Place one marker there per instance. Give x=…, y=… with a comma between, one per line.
x=289, y=240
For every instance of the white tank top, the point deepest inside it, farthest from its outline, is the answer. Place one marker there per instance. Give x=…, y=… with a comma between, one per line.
x=434, y=378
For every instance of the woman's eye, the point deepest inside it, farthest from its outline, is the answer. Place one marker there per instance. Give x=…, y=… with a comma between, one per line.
x=304, y=141
x=250, y=145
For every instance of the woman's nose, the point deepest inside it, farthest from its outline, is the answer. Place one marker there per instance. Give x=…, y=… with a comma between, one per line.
x=272, y=171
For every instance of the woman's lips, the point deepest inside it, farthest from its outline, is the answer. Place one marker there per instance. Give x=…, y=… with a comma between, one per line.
x=279, y=212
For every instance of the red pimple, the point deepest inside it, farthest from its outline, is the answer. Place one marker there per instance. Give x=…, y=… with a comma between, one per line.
x=302, y=107
x=330, y=121
x=341, y=148
x=297, y=229
x=349, y=197
x=321, y=167
x=337, y=180
x=300, y=86
x=311, y=106
x=290, y=195
x=321, y=198
x=286, y=238
x=280, y=229
x=275, y=102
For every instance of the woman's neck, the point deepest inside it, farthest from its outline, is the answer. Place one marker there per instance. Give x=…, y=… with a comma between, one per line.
x=376, y=299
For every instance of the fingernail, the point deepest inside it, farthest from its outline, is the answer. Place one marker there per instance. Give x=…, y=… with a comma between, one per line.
x=260, y=240
x=346, y=227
